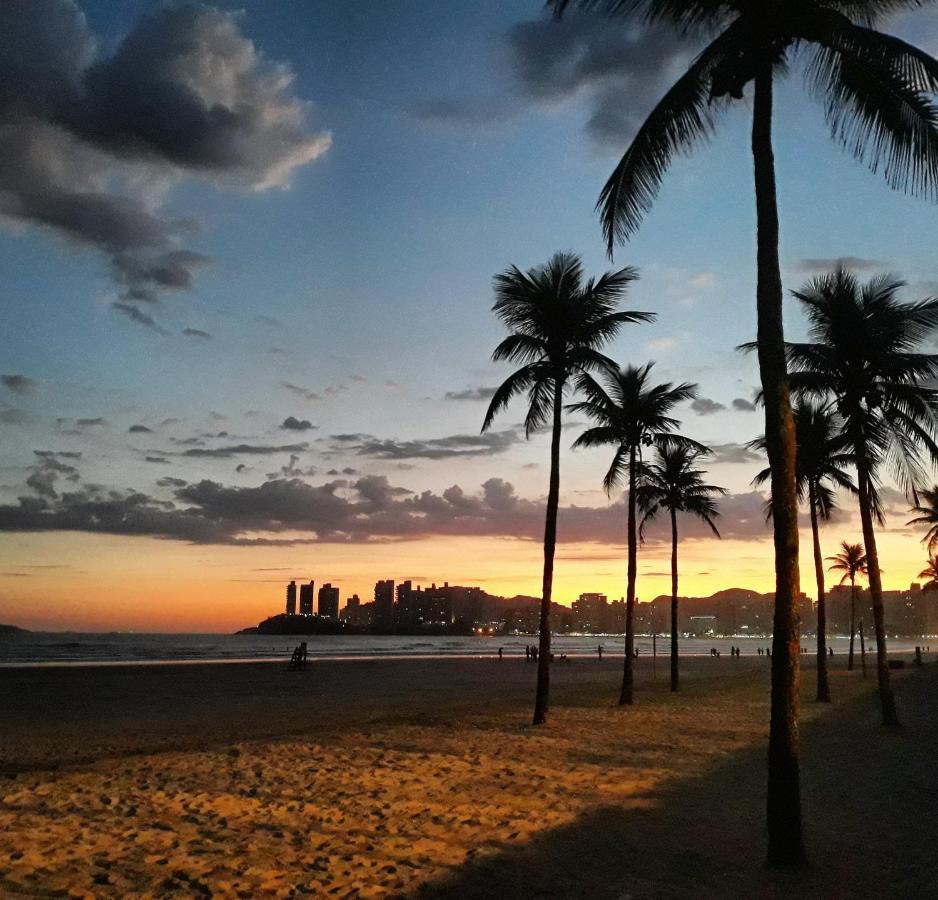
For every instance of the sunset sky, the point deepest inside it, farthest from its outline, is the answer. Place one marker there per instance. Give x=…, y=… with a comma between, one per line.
x=246, y=254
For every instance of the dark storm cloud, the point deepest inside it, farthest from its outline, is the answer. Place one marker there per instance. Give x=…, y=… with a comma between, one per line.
x=89, y=141
x=367, y=510
x=19, y=384
x=856, y=263
x=703, y=406
x=477, y=393
x=291, y=423
x=139, y=429
x=450, y=447
x=741, y=404
x=622, y=71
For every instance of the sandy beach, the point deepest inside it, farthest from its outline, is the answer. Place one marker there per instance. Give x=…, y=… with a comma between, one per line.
x=424, y=778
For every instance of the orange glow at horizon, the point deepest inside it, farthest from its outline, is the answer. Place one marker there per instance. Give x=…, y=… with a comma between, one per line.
x=83, y=582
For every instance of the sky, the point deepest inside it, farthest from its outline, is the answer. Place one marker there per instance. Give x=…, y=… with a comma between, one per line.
x=246, y=255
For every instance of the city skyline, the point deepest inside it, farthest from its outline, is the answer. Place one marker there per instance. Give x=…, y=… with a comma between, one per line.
x=340, y=360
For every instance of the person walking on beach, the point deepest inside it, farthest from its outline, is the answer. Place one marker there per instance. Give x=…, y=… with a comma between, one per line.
x=599, y=650
x=499, y=652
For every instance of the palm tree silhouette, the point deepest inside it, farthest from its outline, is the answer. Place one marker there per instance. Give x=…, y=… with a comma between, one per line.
x=672, y=482
x=557, y=326
x=819, y=469
x=876, y=94
x=927, y=508
x=864, y=359
x=852, y=562
x=931, y=573
x=629, y=414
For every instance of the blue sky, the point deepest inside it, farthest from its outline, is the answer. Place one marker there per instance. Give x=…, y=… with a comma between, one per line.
x=365, y=277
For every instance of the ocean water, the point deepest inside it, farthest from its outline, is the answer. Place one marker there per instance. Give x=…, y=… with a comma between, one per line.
x=64, y=648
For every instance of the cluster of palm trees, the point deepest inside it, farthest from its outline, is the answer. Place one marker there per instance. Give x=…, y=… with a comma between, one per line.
x=877, y=92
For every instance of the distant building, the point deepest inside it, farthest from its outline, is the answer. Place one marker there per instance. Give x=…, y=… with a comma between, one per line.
x=590, y=613
x=328, y=601
x=351, y=611
x=306, y=599
x=384, y=602
x=291, y=598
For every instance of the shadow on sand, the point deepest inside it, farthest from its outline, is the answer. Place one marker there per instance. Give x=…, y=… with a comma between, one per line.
x=869, y=807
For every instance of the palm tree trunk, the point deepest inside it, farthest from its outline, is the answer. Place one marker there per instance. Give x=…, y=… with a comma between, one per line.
x=823, y=684
x=783, y=797
x=853, y=619
x=886, y=698
x=541, y=700
x=674, y=675
x=626, y=697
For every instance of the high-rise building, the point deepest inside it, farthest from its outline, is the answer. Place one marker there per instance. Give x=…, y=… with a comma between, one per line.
x=384, y=602
x=351, y=610
x=306, y=599
x=291, y=598
x=591, y=613
x=328, y=601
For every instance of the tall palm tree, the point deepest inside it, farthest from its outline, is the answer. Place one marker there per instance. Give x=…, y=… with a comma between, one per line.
x=875, y=89
x=819, y=469
x=930, y=572
x=852, y=562
x=672, y=482
x=927, y=508
x=866, y=359
x=557, y=324
x=630, y=413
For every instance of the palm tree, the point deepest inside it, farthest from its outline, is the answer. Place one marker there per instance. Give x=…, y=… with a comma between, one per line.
x=557, y=326
x=930, y=572
x=629, y=414
x=672, y=482
x=864, y=358
x=819, y=469
x=852, y=562
x=875, y=89
x=927, y=508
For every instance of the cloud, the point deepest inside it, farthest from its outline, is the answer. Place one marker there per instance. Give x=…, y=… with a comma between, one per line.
x=93, y=143
x=170, y=481
x=476, y=393
x=450, y=447
x=664, y=343
x=96, y=422
x=706, y=407
x=618, y=70
x=743, y=405
x=139, y=429
x=454, y=111
x=197, y=333
x=47, y=470
x=305, y=393
x=735, y=453
x=703, y=280
x=370, y=509
x=159, y=460
x=291, y=423
x=856, y=263
x=243, y=450
x=19, y=384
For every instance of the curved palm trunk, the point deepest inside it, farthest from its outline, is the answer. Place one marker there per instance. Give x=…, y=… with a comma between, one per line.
x=674, y=674
x=823, y=685
x=783, y=797
x=541, y=699
x=886, y=698
x=853, y=619
x=626, y=695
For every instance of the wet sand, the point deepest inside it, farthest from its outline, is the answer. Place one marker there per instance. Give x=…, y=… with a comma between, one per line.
x=424, y=778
